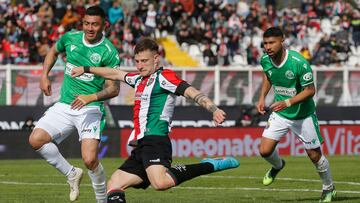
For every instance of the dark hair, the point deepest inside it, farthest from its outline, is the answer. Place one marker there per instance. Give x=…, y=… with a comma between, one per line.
x=146, y=44
x=273, y=32
x=95, y=11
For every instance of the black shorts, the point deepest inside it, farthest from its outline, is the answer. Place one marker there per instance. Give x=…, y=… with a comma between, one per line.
x=151, y=150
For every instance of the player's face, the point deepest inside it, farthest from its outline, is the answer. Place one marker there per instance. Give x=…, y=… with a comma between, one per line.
x=146, y=62
x=273, y=45
x=93, y=27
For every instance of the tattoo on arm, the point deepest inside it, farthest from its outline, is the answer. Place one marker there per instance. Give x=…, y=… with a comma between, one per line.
x=109, y=91
x=205, y=102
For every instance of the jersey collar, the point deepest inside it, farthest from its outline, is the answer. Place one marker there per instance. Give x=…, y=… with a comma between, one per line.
x=283, y=62
x=92, y=45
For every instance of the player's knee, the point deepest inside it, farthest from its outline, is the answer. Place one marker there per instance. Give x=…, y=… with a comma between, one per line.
x=265, y=152
x=90, y=162
x=37, y=140
x=159, y=185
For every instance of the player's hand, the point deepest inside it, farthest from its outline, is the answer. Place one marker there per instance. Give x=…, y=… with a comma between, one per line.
x=219, y=116
x=45, y=85
x=75, y=72
x=278, y=106
x=81, y=100
x=260, y=106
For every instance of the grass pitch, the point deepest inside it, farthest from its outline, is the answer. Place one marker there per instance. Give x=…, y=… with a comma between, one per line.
x=34, y=181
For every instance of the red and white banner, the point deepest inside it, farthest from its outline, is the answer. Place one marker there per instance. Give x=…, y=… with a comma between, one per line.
x=203, y=142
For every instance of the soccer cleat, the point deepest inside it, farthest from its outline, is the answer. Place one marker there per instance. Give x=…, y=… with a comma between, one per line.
x=222, y=163
x=328, y=195
x=74, y=183
x=271, y=174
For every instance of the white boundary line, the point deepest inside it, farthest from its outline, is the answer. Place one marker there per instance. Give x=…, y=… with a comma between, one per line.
x=289, y=179
x=191, y=188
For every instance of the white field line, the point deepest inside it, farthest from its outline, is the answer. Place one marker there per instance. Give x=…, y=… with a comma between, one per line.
x=192, y=188
x=288, y=179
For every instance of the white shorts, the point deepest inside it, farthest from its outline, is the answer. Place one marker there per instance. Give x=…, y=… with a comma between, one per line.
x=307, y=130
x=60, y=121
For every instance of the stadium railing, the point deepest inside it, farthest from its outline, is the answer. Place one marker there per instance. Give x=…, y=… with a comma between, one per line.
x=234, y=85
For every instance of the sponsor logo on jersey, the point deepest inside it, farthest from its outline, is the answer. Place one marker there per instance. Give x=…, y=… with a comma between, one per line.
x=138, y=96
x=72, y=47
x=94, y=128
x=289, y=75
x=95, y=58
x=163, y=83
x=154, y=160
x=305, y=66
x=285, y=91
x=270, y=73
x=83, y=77
x=86, y=130
x=307, y=76
x=144, y=97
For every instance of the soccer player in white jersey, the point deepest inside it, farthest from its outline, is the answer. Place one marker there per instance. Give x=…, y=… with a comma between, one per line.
x=81, y=105
x=291, y=76
x=155, y=92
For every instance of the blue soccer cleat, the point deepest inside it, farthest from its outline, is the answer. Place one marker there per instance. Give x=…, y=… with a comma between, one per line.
x=222, y=163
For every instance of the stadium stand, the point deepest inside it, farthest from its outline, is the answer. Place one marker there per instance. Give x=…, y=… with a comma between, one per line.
x=326, y=31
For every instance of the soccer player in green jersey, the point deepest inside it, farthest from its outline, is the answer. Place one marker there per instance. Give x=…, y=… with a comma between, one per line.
x=294, y=109
x=155, y=91
x=80, y=107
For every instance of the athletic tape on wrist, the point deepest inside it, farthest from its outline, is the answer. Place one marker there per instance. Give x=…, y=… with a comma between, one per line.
x=287, y=102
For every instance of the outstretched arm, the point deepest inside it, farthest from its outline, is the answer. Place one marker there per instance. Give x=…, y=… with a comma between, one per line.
x=50, y=59
x=205, y=102
x=108, y=73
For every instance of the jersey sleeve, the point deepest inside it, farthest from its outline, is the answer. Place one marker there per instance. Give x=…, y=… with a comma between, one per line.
x=113, y=59
x=171, y=82
x=60, y=44
x=305, y=73
x=131, y=78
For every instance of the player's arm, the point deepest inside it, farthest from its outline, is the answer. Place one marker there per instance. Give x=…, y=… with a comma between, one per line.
x=309, y=91
x=50, y=59
x=110, y=90
x=205, y=102
x=107, y=73
x=265, y=88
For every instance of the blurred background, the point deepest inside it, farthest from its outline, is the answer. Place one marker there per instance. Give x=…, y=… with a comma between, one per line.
x=215, y=45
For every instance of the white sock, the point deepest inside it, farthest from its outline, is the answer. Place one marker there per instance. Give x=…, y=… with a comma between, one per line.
x=322, y=166
x=51, y=154
x=274, y=160
x=97, y=177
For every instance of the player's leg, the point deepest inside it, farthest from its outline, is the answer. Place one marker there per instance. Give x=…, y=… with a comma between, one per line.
x=275, y=129
x=89, y=152
x=156, y=157
x=90, y=124
x=119, y=181
x=130, y=174
x=55, y=126
x=310, y=136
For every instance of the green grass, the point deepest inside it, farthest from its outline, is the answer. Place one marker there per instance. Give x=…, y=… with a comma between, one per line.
x=34, y=181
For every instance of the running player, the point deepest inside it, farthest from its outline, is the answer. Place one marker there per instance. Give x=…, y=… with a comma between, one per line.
x=294, y=109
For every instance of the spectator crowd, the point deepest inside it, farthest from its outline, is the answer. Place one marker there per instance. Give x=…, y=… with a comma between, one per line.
x=325, y=32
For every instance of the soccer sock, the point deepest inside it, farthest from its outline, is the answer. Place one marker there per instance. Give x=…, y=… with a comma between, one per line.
x=322, y=166
x=116, y=196
x=181, y=173
x=274, y=160
x=97, y=177
x=51, y=154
